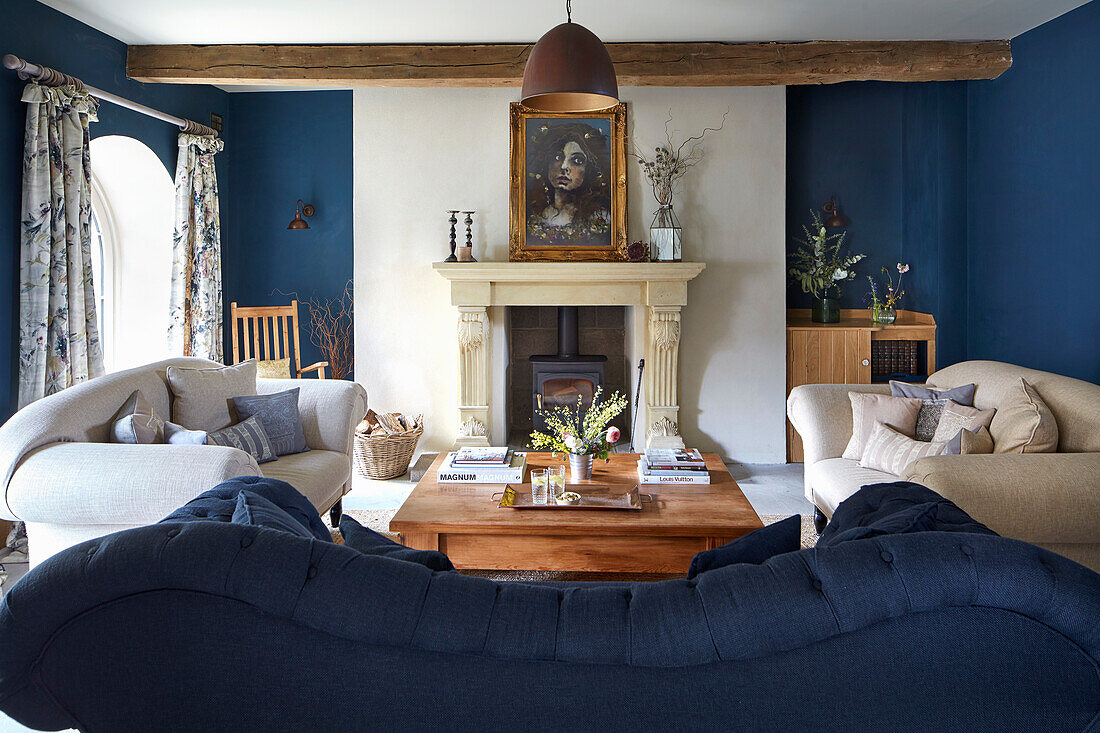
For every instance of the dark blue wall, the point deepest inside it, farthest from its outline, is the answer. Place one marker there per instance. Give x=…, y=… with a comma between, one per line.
x=895, y=156
x=42, y=35
x=281, y=147
x=1034, y=196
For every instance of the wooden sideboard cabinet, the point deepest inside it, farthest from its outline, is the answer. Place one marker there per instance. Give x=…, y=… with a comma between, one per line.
x=842, y=353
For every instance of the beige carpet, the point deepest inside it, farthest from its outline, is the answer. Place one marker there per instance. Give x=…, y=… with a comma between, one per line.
x=379, y=521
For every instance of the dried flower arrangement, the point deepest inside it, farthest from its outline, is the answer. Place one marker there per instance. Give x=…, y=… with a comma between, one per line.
x=670, y=162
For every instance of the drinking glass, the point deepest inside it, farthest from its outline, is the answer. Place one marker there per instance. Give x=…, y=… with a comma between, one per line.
x=556, y=476
x=539, y=485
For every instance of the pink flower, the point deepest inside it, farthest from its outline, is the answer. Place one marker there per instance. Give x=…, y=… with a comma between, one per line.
x=613, y=435
x=903, y=268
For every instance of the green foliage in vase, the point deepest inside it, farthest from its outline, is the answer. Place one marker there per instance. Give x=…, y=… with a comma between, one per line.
x=581, y=432
x=819, y=265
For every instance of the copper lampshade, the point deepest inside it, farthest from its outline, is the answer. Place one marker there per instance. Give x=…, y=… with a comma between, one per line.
x=569, y=70
x=298, y=222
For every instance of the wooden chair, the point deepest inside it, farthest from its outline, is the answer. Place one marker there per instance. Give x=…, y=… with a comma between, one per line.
x=257, y=331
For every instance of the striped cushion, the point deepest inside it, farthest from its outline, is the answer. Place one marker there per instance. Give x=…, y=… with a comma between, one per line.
x=248, y=435
x=890, y=451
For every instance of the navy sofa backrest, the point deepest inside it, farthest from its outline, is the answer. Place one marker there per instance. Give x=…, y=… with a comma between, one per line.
x=204, y=623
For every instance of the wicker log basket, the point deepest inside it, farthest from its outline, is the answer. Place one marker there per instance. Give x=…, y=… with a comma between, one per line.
x=384, y=444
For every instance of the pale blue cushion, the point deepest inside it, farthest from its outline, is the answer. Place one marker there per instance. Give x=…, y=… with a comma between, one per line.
x=179, y=435
x=136, y=422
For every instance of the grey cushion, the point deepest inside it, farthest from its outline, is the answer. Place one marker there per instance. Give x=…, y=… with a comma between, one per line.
x=933, y=401
x=279, y=414
x=202, y=396
x=136, y=422
x=247, y=435
x=179, y=435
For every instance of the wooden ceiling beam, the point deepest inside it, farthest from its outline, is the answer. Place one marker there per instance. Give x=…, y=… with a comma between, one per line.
x=637, y=64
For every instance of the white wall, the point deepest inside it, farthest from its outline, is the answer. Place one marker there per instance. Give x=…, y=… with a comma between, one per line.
x=419, y=152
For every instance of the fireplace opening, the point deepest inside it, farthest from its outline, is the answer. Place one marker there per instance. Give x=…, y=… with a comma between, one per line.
x=557, y=355
x=562, y=378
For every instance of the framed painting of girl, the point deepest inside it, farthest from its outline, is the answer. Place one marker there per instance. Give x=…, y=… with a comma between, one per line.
x=568, y=185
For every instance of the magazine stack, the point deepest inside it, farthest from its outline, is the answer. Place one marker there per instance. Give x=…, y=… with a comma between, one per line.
x=673, y=466
x=483, y=466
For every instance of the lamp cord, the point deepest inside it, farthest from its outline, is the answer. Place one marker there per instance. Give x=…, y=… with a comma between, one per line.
x=568, y=11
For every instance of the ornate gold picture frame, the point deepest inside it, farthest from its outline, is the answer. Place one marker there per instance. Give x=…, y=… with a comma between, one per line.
x=568, y=185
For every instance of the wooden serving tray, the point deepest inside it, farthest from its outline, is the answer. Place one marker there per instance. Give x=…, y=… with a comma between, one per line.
x=593, y=496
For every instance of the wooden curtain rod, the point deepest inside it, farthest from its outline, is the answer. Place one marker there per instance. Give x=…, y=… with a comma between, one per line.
x=53, y=78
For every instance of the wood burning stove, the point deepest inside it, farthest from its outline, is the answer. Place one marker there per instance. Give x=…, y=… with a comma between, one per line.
x=559, y=379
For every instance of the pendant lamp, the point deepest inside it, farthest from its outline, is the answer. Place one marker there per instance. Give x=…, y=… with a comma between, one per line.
x=569, y=70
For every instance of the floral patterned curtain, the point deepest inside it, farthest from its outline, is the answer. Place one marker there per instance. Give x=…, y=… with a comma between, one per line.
x=58, y=332
x=196, y=303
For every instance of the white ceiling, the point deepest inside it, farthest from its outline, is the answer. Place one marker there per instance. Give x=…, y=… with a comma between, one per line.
x=523, y=21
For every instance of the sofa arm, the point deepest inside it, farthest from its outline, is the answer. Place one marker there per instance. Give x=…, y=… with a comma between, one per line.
x=1038, y=497
x=113, y=483
x=822, y=415
x=330, y=409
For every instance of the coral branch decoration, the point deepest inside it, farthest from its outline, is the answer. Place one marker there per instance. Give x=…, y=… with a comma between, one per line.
x=330, y=328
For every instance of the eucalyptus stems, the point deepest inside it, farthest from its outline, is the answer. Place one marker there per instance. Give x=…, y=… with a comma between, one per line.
x=818, y=265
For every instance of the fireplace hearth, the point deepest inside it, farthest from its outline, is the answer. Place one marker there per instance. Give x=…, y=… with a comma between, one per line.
x=563, y=378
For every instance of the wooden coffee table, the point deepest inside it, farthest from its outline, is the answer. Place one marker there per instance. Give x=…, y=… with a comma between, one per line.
x=463, y=521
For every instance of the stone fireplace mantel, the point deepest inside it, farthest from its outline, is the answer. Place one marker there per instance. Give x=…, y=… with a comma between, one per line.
x=660, y=288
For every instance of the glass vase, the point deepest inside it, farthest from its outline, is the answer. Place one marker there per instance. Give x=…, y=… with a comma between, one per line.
x=825, y=310
x=884, y=314
x=664, y=236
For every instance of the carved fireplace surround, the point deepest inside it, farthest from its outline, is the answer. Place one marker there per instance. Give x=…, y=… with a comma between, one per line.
x=655, y=291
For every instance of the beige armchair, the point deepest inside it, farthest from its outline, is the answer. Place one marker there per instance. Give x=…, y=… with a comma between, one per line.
x=1049, y=499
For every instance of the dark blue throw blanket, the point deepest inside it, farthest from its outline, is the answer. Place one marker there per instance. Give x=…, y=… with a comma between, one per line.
x=896, y=508
x=219, y=503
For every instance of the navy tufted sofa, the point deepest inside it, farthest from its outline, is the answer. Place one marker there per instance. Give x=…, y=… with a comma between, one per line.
x=205, y=625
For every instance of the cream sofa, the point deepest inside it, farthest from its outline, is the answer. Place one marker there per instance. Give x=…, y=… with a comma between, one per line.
x=62, y=477
x=1049, y=499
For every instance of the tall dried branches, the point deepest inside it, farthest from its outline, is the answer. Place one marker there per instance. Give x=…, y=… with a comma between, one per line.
x=671, y=161
x=330, y=329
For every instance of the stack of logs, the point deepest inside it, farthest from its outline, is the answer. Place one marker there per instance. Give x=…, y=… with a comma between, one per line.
x=390, y=424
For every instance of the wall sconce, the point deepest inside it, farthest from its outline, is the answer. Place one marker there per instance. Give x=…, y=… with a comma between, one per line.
x=298, y=222
x=834, y=219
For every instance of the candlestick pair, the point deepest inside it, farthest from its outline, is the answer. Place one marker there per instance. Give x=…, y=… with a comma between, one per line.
x=465, y=253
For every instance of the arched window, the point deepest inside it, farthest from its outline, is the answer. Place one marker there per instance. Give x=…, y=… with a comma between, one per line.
x=132, y=215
